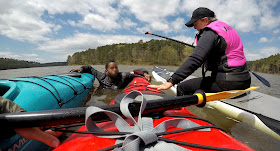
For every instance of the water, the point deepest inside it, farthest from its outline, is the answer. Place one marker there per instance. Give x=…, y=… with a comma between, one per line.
x=246, y=134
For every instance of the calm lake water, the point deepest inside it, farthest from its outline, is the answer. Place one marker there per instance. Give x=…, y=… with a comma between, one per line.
x=246, y=134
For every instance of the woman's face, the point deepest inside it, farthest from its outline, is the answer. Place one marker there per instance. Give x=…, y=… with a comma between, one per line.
x=200, y=23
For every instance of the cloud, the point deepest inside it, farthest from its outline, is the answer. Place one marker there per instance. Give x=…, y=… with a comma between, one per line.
x=61, y=48
x=21, y=21
x=127, y=23
x=269, y=19
x=188, y=40
x=178, y=24
x=44, y=23
x=264, y=40
x=268, y=51
x=83, y=41
x=30, y=55
x=150, y=11
x=231, y=12
x=27, y=57
x=276, y=31
x=24, y=21
x=261, y=53
x=244, y=16
x=153, y=13
x=8, y=54
x=102, y=23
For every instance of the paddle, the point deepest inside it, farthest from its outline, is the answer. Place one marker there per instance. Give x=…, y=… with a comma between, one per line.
x=77, y=115
x=170, y=39
x=263, y=80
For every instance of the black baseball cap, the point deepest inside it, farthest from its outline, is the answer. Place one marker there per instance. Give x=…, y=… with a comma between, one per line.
x=199, y=13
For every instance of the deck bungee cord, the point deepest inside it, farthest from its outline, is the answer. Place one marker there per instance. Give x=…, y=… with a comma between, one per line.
x=62, y=129
x=129, y=98
x=71, y=87
x=59, y=100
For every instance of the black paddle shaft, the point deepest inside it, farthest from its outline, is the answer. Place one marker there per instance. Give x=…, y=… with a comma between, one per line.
x=77, y=115
x=171, y=39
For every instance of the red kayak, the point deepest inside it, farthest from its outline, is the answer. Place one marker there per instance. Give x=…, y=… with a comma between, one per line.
x=208, y=137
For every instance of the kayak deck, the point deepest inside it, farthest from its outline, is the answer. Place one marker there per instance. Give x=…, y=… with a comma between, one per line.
x=213, y=138
x=253, y=108
x=44, y=93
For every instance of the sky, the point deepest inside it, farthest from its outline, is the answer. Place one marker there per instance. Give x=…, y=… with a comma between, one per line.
x=50, y=30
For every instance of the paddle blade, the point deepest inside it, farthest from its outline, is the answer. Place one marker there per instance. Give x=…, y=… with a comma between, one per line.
x=263, y=80
x=226, y=94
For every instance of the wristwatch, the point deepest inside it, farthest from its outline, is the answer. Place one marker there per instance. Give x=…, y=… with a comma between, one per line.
x=169, y=80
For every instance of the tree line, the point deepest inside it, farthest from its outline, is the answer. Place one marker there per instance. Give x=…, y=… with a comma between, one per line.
x=156, y=52
x=266, y=65
x=7, y=63
x=153, y=52
x=159, y=52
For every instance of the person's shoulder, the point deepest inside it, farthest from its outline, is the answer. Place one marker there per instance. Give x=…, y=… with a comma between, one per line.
x=124, y=73
x=208, y=32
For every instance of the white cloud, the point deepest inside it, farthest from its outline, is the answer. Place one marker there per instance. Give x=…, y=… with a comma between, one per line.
x=276, y=31
x=21, y=20
x=127, y=23
x=188, y=40
x=71, y=22
x=244, y=16
x=26, y=20
x=103, y=23
x=27, y=57
x=143, y=29
x=268, y=51
x=269, y=19
x=239, y=14
x=150, y=11
x=97, y=14
x=82, y=41
x=178, y=24
x=264, y=40
x=262, y=53
x=160, y=26
x=8, y=54
x=153, y=13
x=253, y=56
x=30, y=55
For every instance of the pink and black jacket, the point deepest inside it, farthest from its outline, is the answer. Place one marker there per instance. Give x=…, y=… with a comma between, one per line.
x=221, y=50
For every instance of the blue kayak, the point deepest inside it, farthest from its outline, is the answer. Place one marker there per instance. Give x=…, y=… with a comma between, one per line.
x=44, y=93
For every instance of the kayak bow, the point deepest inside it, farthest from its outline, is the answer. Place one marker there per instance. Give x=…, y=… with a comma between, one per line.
x=77, y=115
x=250, y=109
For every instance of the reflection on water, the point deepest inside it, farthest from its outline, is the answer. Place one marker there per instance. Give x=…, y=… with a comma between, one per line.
x=102, y=96
x=246, y=134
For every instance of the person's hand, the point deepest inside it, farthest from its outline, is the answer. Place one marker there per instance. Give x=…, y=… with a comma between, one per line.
x=48, y=137
x=164, y=86
x=147, y=77
x=76, y=70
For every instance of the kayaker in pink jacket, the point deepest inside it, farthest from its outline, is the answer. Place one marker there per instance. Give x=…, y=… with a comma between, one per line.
x=219, y=50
